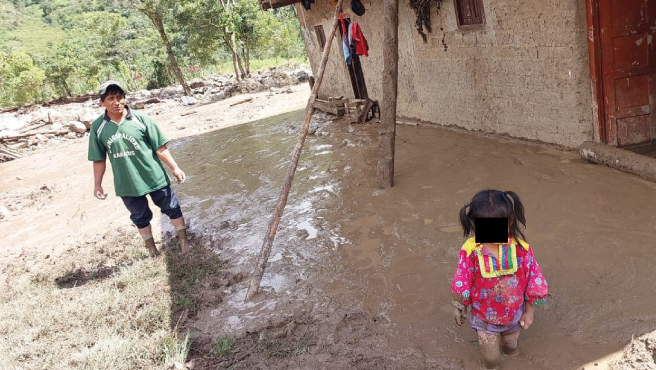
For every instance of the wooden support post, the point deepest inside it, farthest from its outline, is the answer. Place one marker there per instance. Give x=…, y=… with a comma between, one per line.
x=262, y=260
x=390, y=83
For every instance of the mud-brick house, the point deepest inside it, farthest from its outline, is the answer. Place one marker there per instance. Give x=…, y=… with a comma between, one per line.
x=557, y=71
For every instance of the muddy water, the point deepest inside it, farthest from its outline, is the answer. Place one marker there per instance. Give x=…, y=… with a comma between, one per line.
x=372, y=268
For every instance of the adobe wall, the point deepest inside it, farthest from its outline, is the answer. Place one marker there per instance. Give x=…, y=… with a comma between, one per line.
x=526, y=74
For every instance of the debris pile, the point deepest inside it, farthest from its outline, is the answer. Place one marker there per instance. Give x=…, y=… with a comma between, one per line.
x=28, y=128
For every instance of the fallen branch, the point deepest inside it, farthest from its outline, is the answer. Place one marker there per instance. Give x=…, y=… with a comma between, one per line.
x=59, y=101
x=8, y=153
x=188, y=113
x=33, y=127
x=142, y=104
x=262, y=260
x=23, y=136
x=241, y=101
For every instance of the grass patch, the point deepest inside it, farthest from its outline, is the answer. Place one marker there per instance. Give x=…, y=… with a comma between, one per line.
x=187, y=272
x=283, y=348
x=104, y=306
x=174, y=351
x=221, y=347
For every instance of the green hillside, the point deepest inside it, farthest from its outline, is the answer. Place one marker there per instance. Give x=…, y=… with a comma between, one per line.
x=55, y=48
x=35, y=26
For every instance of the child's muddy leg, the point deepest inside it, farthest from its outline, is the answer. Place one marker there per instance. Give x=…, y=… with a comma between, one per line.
x=490, y=345
x=509, y=343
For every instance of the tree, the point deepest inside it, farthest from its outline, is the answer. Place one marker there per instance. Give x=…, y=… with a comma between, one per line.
x=238, y=26
x=209, y=24
x=20, y=79
x=155, y=10
x=63, y=65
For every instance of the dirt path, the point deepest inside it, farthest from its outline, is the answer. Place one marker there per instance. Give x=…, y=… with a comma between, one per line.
x=359, y=278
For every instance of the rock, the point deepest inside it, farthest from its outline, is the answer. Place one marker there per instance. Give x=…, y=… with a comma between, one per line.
x=8, y=133
x=11, y=123
x=251, y=85
x=221, y=79
x=71, y=135
x=142, y=104
x=56, y=126
x=39, y=137
x=196, y=84
x=4, y=212
x=87, y=116
x=301, y=74
x=47, y=115
x=171, y=91
x=217, y=97
x=188, y=100
x=138, y=95
x=76, y=126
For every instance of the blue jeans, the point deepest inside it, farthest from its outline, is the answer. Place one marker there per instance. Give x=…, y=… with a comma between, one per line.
x=164, y=198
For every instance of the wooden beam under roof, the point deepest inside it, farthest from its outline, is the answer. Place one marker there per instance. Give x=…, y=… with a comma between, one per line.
x=274, y=4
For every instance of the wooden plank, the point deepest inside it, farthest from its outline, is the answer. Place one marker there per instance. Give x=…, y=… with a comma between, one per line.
x=274, y=4
x=329, y=108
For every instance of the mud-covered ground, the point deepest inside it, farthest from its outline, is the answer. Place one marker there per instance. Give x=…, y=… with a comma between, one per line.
x=360, y=278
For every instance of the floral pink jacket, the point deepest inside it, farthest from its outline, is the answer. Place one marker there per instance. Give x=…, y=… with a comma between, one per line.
x=496, y=288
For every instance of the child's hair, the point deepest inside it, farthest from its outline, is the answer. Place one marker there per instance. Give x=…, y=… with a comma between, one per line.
x=494, y=204
x=113, y=90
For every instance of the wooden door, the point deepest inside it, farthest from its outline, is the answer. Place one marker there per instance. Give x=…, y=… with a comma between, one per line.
x=628, y=69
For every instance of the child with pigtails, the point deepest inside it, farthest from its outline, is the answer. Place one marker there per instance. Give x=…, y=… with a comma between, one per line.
x=497, y=276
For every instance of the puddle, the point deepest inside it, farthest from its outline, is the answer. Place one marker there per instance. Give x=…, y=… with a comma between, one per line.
x=344, y=246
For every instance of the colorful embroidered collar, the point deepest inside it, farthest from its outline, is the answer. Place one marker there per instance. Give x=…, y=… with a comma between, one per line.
x=492, y=267
x=489, y=265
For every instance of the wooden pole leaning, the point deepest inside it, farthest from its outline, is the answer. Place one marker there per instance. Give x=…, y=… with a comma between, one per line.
x=265, y=252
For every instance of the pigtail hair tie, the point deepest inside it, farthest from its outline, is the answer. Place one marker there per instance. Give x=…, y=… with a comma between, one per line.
x=512, y=201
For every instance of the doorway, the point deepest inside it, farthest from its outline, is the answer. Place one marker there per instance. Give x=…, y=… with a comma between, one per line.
x=623, y=68
x=355, y=70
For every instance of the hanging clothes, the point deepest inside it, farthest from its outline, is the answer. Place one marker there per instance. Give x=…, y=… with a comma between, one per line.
x=346, y=46
x=357, y=42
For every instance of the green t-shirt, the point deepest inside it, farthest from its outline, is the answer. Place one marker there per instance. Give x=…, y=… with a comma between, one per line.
x=131, y=147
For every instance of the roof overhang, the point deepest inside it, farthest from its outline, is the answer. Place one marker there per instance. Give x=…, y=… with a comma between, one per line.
x=273, y=4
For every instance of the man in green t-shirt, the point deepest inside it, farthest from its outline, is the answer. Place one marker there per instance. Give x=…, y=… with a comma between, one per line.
x=136, y=148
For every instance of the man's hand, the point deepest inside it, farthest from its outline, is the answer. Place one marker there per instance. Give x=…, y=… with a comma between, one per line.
x=459, y=313
x=99, y=193
x=179, y=175
x=527, y=317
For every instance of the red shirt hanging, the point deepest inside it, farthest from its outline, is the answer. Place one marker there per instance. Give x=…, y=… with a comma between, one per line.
x=357, y=39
